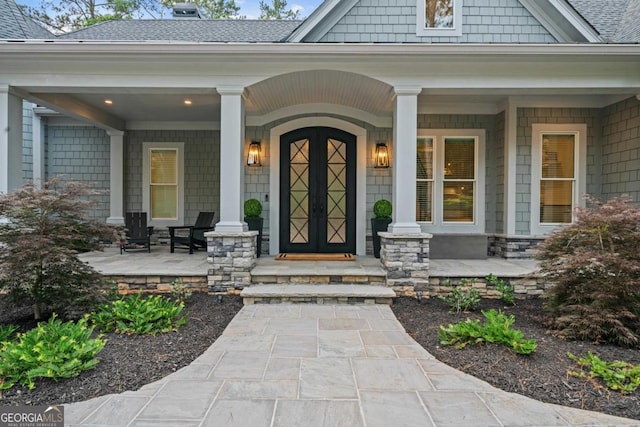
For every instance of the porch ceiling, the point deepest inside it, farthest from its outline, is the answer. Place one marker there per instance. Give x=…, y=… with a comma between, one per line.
x=162, y=105
x=162, y=108
x=320, y=87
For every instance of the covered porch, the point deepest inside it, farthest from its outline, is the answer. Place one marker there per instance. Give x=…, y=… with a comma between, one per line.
x=157, y=270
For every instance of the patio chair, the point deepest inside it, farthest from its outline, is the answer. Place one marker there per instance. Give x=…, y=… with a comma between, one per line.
x=195, y=239
x=137, y=233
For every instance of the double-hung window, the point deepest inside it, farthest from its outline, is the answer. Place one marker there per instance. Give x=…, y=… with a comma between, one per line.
x=163, y=183
x=450, y=180
x=558, y=175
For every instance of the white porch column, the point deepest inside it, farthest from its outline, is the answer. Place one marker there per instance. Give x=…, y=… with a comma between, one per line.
x=38, y=148
x=10, y=140
x=116, y=178
x=231, y=160
x=510, y=166
x=405, y=134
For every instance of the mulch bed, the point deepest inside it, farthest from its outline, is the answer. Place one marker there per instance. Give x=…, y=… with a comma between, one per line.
x=541, y=376
x=129, y=362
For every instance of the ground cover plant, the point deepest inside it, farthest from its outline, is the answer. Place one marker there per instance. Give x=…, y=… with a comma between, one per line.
x=463, y=297
x=595, y=265
x=53, y=349
x=41, y=232
x=139, y=315
x=618, y=375
x=507, y=291
x=496, y=329
x=127, y=362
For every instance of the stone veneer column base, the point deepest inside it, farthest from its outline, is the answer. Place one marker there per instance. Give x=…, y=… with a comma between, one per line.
x=231, y=258
x=510, y=247
x=405, y=257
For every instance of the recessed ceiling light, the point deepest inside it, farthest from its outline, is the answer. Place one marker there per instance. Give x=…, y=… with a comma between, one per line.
x=187, y=102
x=108, y=101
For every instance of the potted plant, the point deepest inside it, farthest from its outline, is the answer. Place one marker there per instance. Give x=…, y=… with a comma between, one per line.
x=380, y=222
x=252, y=212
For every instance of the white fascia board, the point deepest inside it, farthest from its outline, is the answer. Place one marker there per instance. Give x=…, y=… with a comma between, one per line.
x=124, y=50
x=564, y=32
x=578, y=22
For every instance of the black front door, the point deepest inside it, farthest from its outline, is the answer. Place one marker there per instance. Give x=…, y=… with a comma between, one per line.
x=317, y=191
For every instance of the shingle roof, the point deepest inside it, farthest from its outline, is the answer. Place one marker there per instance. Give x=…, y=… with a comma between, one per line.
x=629, y=28
x=14, y=25
x=617, y=21
x=192, y=30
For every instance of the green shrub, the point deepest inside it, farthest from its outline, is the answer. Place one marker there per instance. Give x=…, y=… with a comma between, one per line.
x=135, y=314
x=462, y=298
x=506, y=289
x=595, y=266
x=618, y=375
x=6, y=331
x=52, y=349
x=497, y=329
x=252, y=208
x=382, y=209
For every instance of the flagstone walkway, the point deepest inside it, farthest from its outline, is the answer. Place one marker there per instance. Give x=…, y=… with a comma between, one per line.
x=315, y=365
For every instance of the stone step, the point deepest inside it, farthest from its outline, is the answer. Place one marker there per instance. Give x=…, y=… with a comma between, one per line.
x=317, y=294
x=312, y=278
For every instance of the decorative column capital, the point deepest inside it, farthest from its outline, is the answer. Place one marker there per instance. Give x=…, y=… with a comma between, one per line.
x=230, y=90
x=407, y=90
x=116, y=133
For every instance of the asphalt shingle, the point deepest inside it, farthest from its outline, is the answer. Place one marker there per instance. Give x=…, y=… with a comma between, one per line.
x=14, y=25
x=617, y=21
x=188, y=30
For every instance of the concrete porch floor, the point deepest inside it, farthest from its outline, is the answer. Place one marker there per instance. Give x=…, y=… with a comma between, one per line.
x=161, y=262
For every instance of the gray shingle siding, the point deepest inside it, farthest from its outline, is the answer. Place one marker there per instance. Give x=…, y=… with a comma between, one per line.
x=621, y=150
x=527, y=117
x=498, y=21
x=201, y=173
x=81, y=153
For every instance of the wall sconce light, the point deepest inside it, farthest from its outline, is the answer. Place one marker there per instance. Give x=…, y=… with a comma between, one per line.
x=253, y=158
x=382, y=155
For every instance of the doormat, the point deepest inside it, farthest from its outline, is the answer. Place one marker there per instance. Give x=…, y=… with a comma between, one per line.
x=315, y=257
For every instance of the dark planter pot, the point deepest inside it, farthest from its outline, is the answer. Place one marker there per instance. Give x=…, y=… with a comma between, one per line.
x=378, y=225
x=255, y=224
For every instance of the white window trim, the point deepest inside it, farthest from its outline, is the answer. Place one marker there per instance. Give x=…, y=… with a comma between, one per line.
x=580, y=173
x=146, y=170
x=422, y=31
x=437, y=225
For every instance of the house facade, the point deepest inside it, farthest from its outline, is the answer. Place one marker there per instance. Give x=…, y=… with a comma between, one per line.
x=495, y=117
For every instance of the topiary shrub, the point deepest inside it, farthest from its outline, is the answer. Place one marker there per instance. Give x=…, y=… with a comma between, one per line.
x=382, y=209
x=252, y=208
x=595, y=265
